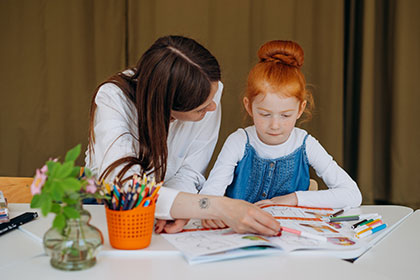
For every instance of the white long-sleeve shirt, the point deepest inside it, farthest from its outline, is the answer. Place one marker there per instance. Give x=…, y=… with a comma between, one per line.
x=342, y=190
x=190, y=144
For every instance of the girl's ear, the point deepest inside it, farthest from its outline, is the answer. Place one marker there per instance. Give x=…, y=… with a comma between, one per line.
x=301, y=108
x=247, y=106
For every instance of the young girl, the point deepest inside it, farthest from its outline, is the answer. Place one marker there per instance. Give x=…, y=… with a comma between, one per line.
x=163, y=117
x=269, y=161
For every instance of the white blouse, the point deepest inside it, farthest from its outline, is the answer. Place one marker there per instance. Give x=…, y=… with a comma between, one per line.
x=342, y=190
x=190, y=144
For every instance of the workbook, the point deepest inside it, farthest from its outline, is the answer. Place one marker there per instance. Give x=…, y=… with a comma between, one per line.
x=330, y=238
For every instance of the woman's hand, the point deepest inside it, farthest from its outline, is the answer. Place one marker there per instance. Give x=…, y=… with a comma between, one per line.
x=288, y=199
x=244, y=217
x=168, y=226
x=239, y=215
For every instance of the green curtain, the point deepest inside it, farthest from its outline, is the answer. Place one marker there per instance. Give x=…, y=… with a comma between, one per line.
x=54, y=53
x=389, y=131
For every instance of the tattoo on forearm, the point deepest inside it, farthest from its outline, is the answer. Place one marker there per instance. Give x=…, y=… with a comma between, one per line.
x=204, y=203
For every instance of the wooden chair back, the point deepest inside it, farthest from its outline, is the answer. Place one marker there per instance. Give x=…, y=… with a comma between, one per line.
x=16, y=189
x=313, y=185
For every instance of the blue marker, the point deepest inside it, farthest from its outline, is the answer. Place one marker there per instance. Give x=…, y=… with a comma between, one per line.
x=372, y=231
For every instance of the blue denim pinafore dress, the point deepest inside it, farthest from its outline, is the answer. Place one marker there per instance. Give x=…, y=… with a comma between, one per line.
x=259, y=178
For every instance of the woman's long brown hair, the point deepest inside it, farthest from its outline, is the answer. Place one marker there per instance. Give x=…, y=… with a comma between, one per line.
x=175, y=73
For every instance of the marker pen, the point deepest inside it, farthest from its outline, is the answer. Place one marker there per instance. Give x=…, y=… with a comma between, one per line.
x=341, y=211
x=305, y=234
x=350, y=218
x=371, y=231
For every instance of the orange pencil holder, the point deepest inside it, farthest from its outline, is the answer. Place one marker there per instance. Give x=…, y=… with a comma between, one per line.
x=130, y=229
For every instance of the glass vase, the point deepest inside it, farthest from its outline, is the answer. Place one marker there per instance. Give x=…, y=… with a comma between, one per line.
x=76, y=247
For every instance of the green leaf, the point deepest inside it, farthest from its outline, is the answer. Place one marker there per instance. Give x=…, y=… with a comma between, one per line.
x=54, y=170
x=71, y=184
x=70, y=200
x=46, y=204
x=50, y=165
x=36, y=201
x=70, y=212
x=73, y=154
x=88, y=173
x=75, y=172
x=65, y=170
x=57, y=191
x=56, y=208
x=74, y=196
x=59, y=222
x=47, y=186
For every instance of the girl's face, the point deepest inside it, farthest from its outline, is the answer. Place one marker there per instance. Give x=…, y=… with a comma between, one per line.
x=274, y=116
x=198, y=113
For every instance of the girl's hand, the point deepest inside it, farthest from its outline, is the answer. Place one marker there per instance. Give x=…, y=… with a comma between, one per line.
x=207, y=223
x=288, y=199
x=264, y=202
x=168, y=226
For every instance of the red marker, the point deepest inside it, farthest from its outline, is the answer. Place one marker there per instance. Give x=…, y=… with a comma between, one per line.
x=304, y=234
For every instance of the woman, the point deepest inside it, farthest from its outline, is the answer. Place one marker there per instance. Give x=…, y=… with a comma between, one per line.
x=163, y=117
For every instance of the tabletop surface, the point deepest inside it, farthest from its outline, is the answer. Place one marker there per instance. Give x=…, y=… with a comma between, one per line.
x=162, y=261
x=398, y=254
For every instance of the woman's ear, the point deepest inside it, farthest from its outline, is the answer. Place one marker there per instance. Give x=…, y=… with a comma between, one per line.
x=247, y=106
x=302, y=108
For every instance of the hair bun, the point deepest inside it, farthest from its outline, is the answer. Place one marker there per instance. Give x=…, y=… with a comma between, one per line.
x=284, y=52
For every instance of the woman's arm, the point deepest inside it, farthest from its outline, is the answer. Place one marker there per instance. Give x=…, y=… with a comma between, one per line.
x=114, y=130
x=239, y=215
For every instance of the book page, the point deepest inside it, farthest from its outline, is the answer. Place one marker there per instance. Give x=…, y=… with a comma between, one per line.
x=197, y=243
x=205, y=242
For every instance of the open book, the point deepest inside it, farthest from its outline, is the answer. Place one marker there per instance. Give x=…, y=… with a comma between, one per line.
x=203, y=245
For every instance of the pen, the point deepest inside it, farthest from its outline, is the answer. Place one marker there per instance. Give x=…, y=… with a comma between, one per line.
x=304, y=234
x=341, y=211
x=17, y=221
x=350, y=218
x=344, y=218
x=368, y=226
x=358, y=224
x=128, y=199
x=141, y=194
x=374, y=222
x=371, y=231
x=365, y=222
x=370, y=219
x=114, y=204
x=133, y=200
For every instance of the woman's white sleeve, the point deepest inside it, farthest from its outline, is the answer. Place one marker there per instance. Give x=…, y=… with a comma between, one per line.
x=164, y=203
x=342, y=189
x=190, y=175
x=203, y=136
x=114, y=139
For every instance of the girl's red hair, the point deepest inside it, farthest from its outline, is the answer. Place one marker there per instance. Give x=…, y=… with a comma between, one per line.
x=278, y=71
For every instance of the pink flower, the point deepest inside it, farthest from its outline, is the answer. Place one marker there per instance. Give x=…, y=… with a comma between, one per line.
x=39, y=181
x=91, y=186
x=44, y=169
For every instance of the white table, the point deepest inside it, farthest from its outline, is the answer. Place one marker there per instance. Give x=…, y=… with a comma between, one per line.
x=398, y=254
x=25, y=258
